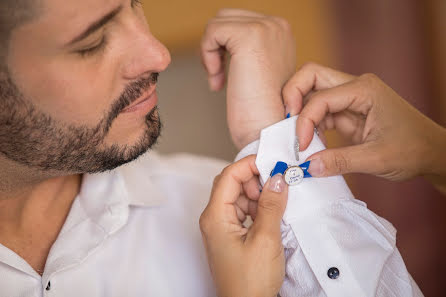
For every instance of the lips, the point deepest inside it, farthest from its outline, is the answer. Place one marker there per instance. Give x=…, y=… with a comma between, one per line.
x=145, y=96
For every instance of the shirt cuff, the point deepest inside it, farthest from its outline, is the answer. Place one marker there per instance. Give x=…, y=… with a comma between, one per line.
x=333, y=229
x=250, y=149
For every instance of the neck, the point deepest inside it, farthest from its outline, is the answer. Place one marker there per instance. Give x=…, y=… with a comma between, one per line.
x=33, y=209
x=28, y=197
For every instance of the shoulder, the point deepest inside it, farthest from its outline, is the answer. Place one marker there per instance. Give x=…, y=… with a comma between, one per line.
x=184, y=178
x=181, y=165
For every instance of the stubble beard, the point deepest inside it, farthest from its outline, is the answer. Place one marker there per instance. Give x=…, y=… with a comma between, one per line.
x=36, y=140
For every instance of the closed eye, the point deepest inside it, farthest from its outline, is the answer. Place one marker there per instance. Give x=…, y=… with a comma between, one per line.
x=93, y=49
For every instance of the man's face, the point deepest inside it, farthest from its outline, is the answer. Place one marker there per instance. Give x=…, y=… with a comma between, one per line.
x=73, y=72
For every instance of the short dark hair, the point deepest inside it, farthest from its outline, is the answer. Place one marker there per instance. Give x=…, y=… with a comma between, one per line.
x=12, y=14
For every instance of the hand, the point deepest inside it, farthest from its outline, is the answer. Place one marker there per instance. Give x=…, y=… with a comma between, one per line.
x=389, y=137
x=262, y=51
x=245, y=262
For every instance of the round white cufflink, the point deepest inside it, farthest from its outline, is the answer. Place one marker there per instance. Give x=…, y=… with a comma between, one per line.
x=294, y=175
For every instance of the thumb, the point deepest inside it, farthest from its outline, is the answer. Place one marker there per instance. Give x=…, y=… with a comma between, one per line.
x=359, y=158
x=271, y=205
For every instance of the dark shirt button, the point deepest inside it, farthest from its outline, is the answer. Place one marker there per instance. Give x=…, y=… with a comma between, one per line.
x=333, y=273
x=48, y=286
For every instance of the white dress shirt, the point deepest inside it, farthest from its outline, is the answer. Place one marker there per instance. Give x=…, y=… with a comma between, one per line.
x=325, y=229
x=134, y=232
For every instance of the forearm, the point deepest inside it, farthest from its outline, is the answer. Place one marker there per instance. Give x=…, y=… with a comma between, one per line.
x=436, y=171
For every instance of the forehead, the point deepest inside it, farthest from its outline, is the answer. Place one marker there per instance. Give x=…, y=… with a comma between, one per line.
x=64, y=19
x=78, y=10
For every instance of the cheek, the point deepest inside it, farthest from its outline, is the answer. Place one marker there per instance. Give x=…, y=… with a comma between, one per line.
x=69, y=91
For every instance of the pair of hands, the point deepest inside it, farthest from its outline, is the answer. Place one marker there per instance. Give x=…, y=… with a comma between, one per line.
x=388, y=137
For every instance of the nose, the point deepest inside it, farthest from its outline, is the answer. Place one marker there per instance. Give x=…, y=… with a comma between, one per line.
x=144, y=54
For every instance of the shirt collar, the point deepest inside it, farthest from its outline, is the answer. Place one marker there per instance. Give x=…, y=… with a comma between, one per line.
x=136, y=181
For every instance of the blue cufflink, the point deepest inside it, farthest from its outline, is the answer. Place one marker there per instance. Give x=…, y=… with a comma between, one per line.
x=293, y=175
x=280, y=167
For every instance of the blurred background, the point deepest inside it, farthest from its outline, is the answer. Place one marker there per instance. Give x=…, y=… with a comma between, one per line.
x=402, y=41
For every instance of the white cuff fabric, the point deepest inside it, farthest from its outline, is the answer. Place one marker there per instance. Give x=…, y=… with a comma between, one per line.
x=334, y=245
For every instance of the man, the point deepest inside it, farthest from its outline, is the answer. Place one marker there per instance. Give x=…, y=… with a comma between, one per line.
x=78, y=99
x=78, y=95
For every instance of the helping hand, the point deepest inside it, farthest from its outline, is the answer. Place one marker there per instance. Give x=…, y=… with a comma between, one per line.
x=245, y=262
x=389, y=137
x=262, y=51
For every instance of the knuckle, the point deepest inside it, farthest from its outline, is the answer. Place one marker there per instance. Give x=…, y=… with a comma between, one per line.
x=222, y=11
x=369, y=77
x=204, y=223
x=283, y=23
x=257, y=28
x=308, y=66
x=226, y=171
x=210, y=28
x=269, y=205
x=216, y=180
x=341, y=164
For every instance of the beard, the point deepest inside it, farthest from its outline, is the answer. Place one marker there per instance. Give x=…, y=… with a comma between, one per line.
x=35, y=139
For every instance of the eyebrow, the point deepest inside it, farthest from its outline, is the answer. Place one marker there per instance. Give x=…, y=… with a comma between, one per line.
x=96, y=25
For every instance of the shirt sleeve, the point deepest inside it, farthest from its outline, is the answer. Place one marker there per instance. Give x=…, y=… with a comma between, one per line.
x=334, y=245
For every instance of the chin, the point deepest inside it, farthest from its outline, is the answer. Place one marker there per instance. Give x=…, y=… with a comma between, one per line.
x=115, y=154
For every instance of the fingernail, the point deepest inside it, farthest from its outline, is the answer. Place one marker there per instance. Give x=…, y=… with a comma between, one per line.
x=316, y=167
x=277, y=183
x=287, y=112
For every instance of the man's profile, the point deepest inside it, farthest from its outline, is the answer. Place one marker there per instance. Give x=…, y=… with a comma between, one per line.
x=77, y=145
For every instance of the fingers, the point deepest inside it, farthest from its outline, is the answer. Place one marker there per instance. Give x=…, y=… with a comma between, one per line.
x=241, y=214
x=228, y=187
x=245, y=207
x=271, y=207
x=245, y=203
x=233, y=12
x=310, y=77
x=216, y=42
x=213, y=53
x=252, y=188
x=362, y=158
x=222, y=219
x=213, y=59
x=252, y=209
x=330, y=101
x=224, y=34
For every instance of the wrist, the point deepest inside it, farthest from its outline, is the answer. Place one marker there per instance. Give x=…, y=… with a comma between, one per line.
x=247, y=117
x=253, y=129
x=242, y=141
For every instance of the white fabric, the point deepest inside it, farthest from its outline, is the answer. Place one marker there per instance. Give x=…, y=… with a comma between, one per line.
x=132, y=232
x=324, y=227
